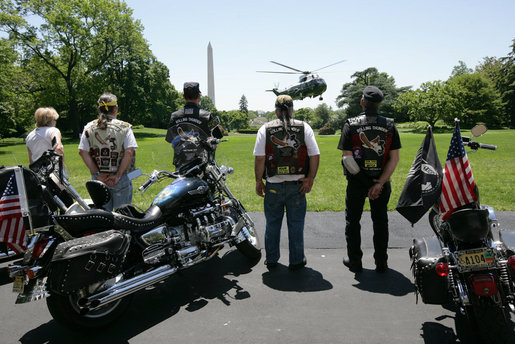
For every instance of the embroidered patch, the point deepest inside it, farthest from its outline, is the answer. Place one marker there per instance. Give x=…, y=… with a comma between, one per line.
x=283, y=170
x=370, y=163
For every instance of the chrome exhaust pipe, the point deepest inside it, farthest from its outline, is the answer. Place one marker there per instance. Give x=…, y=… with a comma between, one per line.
x=119, y=290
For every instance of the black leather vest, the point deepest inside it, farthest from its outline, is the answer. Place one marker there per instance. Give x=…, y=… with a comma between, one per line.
x=371, y=138
x=286, y=151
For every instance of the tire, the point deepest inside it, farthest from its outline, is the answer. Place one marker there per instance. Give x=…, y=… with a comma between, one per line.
x=492, y=323
x=249, y=250
x=466, y=329
x=65, y=311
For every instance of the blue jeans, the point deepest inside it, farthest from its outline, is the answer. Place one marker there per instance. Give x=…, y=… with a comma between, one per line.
x=279, y=196
x=121, y=193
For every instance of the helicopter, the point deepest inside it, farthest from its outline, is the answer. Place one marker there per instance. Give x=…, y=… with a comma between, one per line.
x=309, y=85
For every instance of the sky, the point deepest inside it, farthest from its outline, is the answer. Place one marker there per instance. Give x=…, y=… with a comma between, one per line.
x=412, y=41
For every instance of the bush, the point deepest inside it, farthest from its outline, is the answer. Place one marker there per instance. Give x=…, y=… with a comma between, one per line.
x=326, y=130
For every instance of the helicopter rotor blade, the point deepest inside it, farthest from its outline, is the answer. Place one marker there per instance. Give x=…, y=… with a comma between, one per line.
x=267, y=71
x=280, y=64
x=332, y=64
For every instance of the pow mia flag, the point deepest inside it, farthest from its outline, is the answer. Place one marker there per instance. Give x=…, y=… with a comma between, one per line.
x=424, y=182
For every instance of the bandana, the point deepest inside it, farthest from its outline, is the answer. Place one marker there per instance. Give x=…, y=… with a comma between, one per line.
x=104, y=104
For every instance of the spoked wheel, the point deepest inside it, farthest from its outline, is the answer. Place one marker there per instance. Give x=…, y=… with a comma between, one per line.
x=65, y=310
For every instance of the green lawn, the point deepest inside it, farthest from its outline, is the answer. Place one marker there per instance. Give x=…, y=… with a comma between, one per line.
x=493, y=170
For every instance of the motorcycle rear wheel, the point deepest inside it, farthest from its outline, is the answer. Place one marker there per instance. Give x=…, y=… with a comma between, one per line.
x=485, y=321
x=492, y=323
x=64, y=310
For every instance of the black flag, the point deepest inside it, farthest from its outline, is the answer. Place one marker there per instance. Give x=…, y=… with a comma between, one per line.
x=424, y=182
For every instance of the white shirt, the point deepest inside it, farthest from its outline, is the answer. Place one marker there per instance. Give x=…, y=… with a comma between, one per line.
x=39, y=140
x=311, y=145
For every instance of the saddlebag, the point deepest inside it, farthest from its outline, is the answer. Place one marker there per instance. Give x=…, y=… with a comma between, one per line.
x=426, y=254
x=80, y=262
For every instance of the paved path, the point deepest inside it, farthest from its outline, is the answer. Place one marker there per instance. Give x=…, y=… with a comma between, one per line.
x=229, y=300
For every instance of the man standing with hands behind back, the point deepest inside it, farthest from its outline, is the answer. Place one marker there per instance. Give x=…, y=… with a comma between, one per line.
x=370, y=145
x=287, y=155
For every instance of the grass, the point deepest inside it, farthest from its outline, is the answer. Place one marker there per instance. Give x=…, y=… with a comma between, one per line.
x=493, y=170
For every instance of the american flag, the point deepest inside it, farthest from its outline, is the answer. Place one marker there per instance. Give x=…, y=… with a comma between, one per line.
x=458, y=182
x=12, y=228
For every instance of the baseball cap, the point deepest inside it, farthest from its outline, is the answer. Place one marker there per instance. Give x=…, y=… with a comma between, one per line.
x=373, y=94
x=193, y=86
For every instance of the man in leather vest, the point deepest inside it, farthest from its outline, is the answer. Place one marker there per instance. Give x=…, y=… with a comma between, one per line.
x=287, y=156
x=370, y=145
x=107, y=146
x=187, y=126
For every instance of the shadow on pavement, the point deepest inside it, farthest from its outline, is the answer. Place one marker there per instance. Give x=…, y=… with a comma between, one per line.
x=303, y=280
x=390, y=282
x=435, y=333
x=192, y=289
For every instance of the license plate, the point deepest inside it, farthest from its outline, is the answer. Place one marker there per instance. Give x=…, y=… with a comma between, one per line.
x=476, y=259
x=18, y=284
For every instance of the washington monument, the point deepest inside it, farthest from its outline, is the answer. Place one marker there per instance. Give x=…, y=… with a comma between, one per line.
x=210, y=74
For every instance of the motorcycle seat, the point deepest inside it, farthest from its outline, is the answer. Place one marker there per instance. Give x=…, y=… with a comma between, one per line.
x=98, y=220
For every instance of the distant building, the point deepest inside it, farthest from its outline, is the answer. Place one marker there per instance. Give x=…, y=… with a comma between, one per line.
x=210, y=74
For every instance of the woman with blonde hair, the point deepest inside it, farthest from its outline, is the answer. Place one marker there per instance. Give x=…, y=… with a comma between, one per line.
x=40, y=139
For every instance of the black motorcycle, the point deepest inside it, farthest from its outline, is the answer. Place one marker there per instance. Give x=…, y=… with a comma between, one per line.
x=469, y=266
x=89, y=281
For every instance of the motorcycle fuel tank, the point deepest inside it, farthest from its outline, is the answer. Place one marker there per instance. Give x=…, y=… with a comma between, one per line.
x=183, y=192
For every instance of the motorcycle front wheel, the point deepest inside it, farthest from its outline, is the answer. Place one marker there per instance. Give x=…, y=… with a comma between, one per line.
x=65, y=310
x=250, y=247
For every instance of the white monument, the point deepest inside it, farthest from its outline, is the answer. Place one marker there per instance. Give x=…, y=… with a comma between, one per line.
x=210, y=74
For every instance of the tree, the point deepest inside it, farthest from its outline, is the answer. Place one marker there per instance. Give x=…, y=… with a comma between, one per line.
x=234, y=119
x=351, y=93
x=460, y=69
x=479, y=100
x=433, y=101
x=502, y=73
x=75, y=41
x=321, y=116
x=244, y=106
x=304, y=114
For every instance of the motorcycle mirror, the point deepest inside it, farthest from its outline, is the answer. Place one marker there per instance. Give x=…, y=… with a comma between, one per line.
x=135, y=174
x=478, y=130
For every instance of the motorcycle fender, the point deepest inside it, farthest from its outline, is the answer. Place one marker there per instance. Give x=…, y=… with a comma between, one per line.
x=483, y=284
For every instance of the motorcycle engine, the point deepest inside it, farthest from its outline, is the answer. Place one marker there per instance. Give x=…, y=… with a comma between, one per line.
x=202, y=228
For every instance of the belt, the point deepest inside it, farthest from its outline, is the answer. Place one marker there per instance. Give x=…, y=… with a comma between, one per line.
x=289, y=182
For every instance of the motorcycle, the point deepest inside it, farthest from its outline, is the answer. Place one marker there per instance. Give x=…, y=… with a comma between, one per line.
x=88, y=281
x=42, y=190
x=470, y=265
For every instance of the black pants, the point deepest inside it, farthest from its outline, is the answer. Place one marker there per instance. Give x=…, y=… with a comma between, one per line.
x=354, y=201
